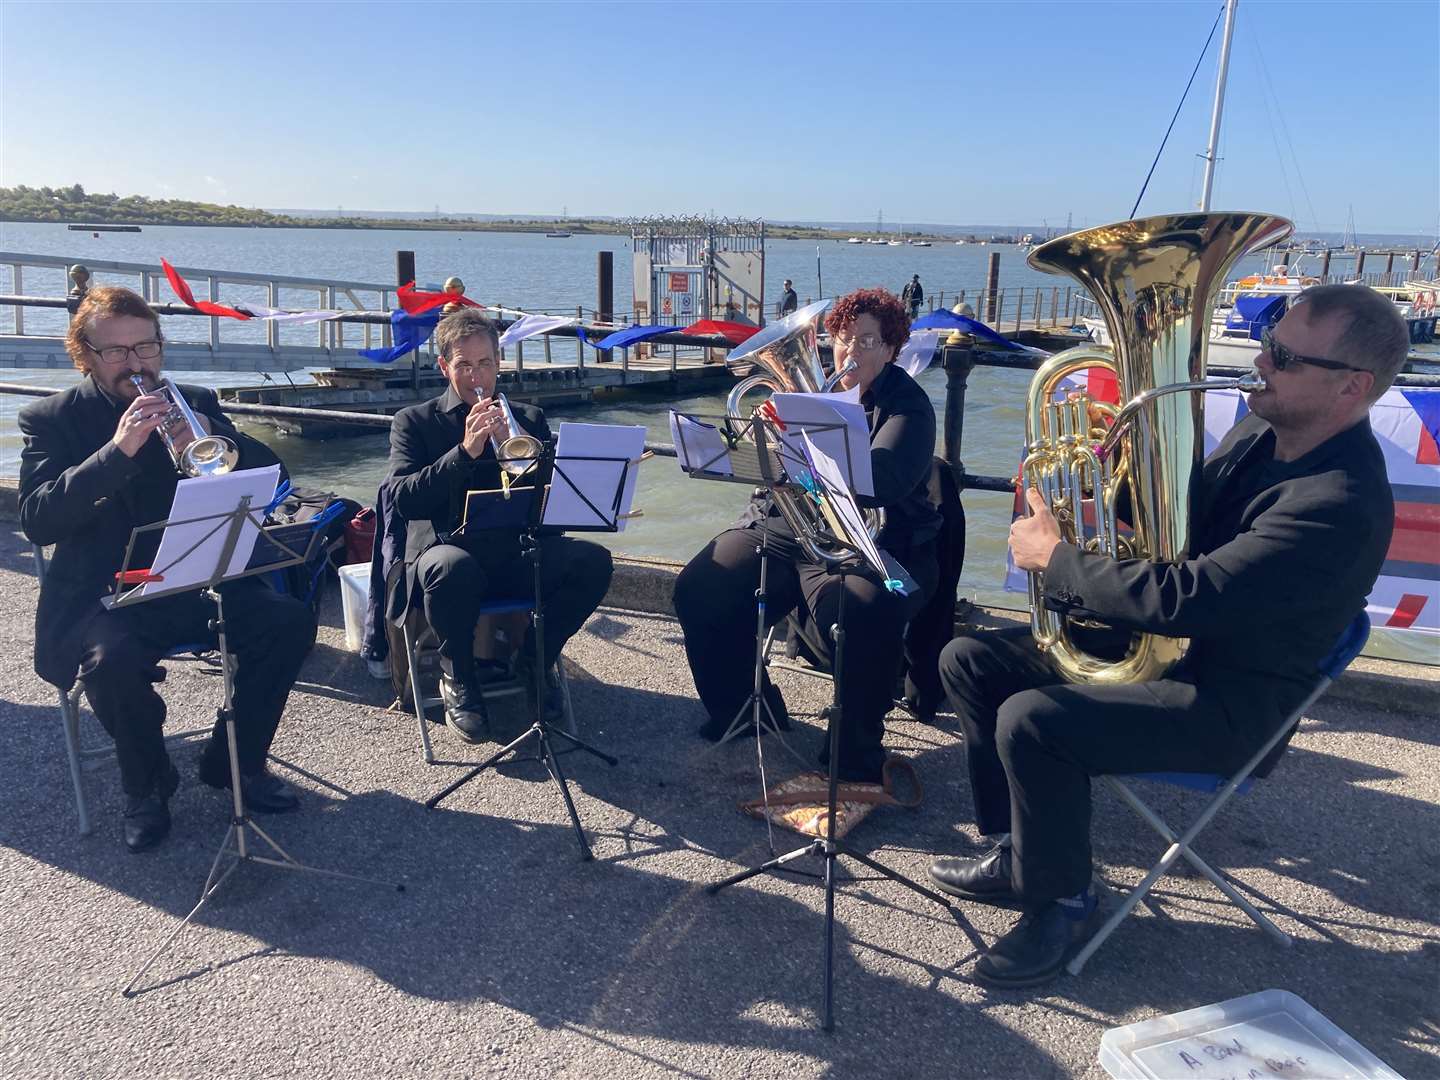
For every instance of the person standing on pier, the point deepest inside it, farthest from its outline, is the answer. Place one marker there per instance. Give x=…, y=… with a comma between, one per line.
x=788, y=300
x=91, y=472
x=913, y=295
x=440, y=450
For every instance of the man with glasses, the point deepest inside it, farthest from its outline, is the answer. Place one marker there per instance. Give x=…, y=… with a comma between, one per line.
x=91, y=471
x=440, y=450
x=1292, y=523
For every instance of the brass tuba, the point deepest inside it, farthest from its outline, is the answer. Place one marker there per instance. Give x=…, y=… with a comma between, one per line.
x=1155, y=280
x=787, y=353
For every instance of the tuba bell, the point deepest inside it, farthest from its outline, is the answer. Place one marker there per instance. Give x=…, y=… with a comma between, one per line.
x=1155, y=280
x=204, y=455
x=787, y=353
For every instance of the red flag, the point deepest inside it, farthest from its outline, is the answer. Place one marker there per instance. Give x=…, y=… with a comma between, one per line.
x=733, y=332
x=182, y=290
x=417, y=302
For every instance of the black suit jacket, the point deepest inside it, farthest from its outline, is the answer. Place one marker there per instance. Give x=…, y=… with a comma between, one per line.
x=430, y=474
x=79, y=492
x=1284, y=555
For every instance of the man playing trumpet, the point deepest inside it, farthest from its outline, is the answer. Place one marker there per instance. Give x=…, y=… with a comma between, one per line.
x=91, y=471
x=440, y=450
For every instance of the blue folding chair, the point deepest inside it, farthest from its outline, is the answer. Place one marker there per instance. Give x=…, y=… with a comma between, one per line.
x=421, y=645
x=78, y=753
x=1346, y=649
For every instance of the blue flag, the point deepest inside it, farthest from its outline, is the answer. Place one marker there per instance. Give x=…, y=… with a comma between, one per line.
x=409, y=332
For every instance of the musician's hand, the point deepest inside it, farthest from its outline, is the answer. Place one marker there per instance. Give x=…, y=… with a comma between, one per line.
x=1033, y=539
x=138, y=421
x=483, y=422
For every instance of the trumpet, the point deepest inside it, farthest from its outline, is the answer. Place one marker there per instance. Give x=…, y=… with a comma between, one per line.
x=204, y=455
x=517, y=453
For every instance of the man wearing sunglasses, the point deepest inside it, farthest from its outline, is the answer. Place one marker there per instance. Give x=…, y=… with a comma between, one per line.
x=1291, y=525
x=91, y=471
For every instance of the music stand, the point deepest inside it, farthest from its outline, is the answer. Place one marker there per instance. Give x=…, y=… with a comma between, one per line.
x=607, y=517
x=224, y=533
x=841, y=509
x=742, y=452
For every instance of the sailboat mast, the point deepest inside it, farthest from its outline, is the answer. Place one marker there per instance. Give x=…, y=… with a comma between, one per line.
x=1213, y=147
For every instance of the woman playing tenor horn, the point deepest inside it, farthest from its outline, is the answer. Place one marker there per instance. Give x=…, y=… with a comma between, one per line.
x=715, y=593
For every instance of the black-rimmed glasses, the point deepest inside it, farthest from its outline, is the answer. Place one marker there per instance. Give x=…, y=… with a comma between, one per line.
x=117, y=354
x=1282, y=357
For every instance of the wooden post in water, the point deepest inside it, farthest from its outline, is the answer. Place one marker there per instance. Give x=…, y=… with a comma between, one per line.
x=604, y=292
x=1415, y=264
x=404, y=275
x=1389, y=266
x=1325, y=267
x=1360, y=265
x=992, y=283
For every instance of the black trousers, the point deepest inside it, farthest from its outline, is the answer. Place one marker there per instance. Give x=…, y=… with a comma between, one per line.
x=459, y=577
x=1032, y=743
x=715, y=602
x=269, y=636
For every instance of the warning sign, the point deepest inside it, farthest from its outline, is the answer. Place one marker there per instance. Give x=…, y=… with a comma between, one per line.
x=679, y=283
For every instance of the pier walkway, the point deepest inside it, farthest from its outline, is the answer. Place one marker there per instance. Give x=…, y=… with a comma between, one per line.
x=507, y=956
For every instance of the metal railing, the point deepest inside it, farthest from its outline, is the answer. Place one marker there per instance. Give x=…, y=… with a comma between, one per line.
x=147, y=279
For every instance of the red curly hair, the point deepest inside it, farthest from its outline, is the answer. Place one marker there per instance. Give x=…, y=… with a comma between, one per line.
x=884, y=306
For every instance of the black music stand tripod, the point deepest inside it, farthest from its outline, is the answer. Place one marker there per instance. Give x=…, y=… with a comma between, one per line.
x=827, y=847
x=225, y=534
x=530, y=536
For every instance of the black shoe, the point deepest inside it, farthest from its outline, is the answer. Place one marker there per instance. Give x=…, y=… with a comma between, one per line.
x=1037, y=949
x=263, y=792
x=465, y=711
x=921, y=712
x=986, y=879
x=553, y=707
x=147, y=817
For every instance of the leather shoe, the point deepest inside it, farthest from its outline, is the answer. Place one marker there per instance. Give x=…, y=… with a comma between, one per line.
x=147, y=817
x=1037, y=949
x=465, y=710
x=986, y=879
x=263, y=792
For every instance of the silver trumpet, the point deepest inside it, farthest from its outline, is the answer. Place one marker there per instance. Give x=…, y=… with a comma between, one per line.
x=517, y=453
x=205, y=455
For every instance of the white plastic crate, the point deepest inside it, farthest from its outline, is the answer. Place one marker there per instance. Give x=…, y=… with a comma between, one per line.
x=354, y=598
x=1272, y=1033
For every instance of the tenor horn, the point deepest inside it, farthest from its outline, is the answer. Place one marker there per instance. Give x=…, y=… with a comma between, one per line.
x=1155, y=280
x=787, y=354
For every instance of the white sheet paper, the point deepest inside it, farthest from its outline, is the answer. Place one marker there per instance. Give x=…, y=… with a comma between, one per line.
x=204, y=497
x=827, y=473
x=699, y=446
x=595, y=480
x=844, y=408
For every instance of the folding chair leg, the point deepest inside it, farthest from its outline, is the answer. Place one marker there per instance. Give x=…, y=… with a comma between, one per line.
x=1159, y=824
x=415, y=698
x=70, y=720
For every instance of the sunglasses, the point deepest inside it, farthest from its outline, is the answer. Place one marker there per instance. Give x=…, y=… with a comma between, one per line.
x=1282, y=357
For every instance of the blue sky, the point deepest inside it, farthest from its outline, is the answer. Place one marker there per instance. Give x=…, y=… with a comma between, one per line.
x=999, y=113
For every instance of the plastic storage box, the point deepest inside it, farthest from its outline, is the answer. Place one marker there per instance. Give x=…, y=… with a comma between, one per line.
x=354, y=598
x=1269, y=1034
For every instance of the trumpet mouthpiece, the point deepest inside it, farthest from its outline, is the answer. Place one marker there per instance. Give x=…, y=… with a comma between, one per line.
x=1251, y=383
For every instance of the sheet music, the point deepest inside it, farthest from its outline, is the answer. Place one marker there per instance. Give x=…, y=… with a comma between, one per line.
x=842, y=408
x=189, y=550
x=699, y=447
x=827, y=474
x=576, y=481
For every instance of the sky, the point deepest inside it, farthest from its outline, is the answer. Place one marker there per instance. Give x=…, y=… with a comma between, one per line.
x=948, y=113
